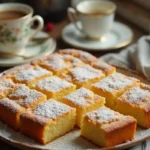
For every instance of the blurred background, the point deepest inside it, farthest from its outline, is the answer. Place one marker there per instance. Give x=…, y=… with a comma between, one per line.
x=134, y=11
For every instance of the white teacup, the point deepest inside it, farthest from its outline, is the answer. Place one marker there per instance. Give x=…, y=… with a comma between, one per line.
x=96, y=17
x=15, y=26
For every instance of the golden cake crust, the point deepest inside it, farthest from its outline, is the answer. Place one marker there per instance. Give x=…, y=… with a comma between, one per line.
x=84, y=56
x=136, y=102
x=46, y=114
x=12, y=110
x=109, y=124
x=113, y=86
x=55, y=87
x=26, y=97
x=108, y=69
x=31, y=75
x=6, y=86
x=84, y=101
x=85, y=76
x=58, y=63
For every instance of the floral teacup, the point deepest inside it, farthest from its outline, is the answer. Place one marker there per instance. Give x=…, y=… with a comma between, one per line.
x=15, y=33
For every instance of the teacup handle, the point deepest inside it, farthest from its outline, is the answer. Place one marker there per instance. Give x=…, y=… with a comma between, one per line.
x=72, y=15
x=40, y=24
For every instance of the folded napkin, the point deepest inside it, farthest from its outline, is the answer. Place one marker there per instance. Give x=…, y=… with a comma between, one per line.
x=136, y=57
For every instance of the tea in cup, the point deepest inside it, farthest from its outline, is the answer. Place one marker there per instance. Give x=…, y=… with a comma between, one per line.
x=15, y=27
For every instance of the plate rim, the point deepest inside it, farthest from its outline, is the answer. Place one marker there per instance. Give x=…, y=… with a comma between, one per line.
x=42, y=54
x=116, y=47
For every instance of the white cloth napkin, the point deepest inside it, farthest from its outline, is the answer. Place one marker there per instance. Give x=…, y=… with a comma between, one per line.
x=136, y=57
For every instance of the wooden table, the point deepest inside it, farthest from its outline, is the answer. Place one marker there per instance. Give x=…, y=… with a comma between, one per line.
x=60, y=45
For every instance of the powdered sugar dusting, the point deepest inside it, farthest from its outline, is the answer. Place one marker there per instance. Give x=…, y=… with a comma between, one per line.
x=86, y=57
x=81, y=97
x=55, y=62
x=6, y=84
x=25, y=96
x=51, y=109
x=115, y=82
x=31, y=74
x=73, y=60
x=10, y=105
x=53, y=84
x=103, y=115
x=102, y=65
x=136, y=95
x=86, y=72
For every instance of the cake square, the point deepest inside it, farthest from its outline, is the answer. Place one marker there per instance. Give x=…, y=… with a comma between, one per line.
x=31, y=75
x=10, y=72
x=106, y=127
x=113, y=86
x=84, y=56
x=26, y=97
x=84, y=101
x=10, y=112
x=49, y=120
x=6, y=86
x=85, y=76
x=55, y=87
x=60, y=63
x=136, y=102
x=106, y=68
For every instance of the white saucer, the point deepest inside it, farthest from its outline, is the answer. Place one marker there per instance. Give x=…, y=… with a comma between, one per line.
x=34, y=49
x=119, y=36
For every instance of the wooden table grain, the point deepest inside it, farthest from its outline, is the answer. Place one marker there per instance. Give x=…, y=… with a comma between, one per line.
x=61, y=45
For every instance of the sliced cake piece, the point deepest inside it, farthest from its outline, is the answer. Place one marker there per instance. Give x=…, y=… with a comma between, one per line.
x=84, y=101
x=6, y=86
x=31, y=75
x=60, y=63
x=26, y=97
x=48, y=121
x=113, y=86
x=10, y=112
x=136, y=102
x=84, y=56
x=85, y=76
x=106, y=127
x=55, y=87
x=108, y=69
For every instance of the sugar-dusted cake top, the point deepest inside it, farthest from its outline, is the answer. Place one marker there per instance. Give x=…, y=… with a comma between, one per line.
x=136, y=95
x=84, y=56
x=102, y=65
x=55, y=61
x=6, y=84
x=115, y=82
x=81, y=97
x=103, y=115
x=85, y=73
x=10, y=105
x=51, y=109
x=73, y=61
x=31, y=73
x=53, y=84
x=25, y=96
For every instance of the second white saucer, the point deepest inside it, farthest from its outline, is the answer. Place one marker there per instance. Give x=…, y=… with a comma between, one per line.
x=119, y=36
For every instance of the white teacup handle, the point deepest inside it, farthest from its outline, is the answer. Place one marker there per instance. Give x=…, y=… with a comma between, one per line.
x=40, y=24
x=72, y=15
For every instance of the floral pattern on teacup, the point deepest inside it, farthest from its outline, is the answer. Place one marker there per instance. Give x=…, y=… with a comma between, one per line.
x=7, y=35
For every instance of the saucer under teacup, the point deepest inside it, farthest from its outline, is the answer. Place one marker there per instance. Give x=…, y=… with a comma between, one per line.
x=41, y=45
x=119, y=36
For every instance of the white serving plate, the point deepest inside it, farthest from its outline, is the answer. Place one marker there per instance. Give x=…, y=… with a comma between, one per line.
x=71, y=140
